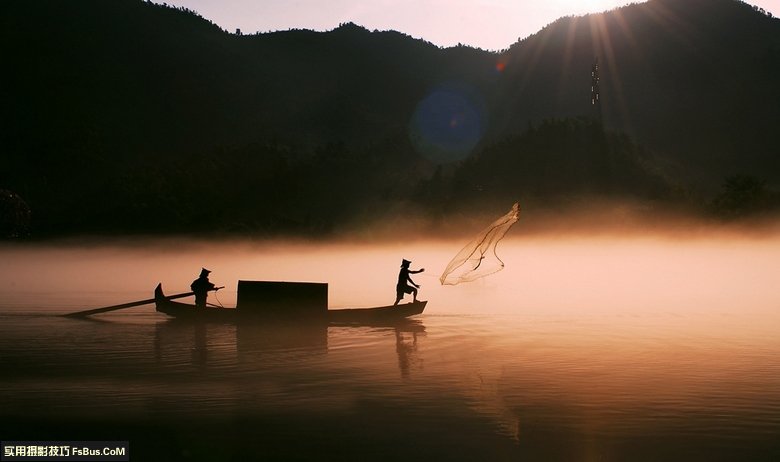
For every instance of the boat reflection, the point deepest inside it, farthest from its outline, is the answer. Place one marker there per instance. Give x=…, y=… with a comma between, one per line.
x=406, y=349
x=247, y=346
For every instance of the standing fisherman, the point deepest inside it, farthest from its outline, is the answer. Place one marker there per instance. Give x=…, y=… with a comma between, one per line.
x=403, y=277
x=201, y=287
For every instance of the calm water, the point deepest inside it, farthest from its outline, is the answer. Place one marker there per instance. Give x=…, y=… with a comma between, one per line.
x=582, y=349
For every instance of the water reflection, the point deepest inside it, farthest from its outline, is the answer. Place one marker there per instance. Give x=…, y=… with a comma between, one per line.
x=548, y=389
x=255, y=345
x=196, y=344
x=406, y=346
x=586, y=350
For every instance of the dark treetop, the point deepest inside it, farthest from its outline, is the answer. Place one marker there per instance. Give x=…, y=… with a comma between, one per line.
x=126, y=116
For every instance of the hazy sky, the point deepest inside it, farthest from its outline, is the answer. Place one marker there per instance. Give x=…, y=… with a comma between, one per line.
x=488, y=24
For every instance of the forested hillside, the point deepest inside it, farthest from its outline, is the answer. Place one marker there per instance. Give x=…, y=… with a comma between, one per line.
x=131, y=117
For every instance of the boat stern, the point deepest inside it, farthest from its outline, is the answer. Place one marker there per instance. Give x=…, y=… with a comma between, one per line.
x=159, y=298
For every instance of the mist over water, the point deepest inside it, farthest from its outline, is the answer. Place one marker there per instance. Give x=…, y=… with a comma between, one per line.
x=570, y=274
x=582, y=348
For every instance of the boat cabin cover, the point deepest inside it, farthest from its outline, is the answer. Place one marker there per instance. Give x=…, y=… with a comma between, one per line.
x=283, y=299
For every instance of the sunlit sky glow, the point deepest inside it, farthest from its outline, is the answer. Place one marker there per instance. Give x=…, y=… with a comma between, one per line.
x=487, y=24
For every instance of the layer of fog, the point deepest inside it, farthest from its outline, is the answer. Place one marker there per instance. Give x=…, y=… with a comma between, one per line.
x=575, y=217
x=545, y=272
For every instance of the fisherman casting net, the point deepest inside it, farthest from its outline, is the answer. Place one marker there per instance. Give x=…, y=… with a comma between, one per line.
x=479, y=259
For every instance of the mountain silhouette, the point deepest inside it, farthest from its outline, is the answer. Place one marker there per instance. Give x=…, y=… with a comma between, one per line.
x=693, y=80
x=128, y=116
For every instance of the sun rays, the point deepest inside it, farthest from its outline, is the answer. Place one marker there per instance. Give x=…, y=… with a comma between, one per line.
x=617, y=39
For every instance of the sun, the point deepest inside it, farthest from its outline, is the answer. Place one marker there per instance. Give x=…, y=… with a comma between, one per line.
x=580, y=7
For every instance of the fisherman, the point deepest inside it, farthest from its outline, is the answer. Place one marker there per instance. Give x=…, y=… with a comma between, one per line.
x=201, y=287
x=403, y=277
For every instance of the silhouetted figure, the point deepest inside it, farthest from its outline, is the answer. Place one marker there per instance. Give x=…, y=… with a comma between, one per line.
x=201, y=287
x=403, y=277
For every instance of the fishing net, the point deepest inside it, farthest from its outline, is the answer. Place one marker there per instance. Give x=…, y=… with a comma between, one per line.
x=479, y=259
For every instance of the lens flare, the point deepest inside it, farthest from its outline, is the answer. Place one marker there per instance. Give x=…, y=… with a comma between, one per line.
x=447, y=124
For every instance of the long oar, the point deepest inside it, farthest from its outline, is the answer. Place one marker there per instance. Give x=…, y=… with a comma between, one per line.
x=105, y=309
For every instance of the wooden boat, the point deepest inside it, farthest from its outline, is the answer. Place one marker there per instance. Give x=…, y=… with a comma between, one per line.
x=377, y=314
x=188, y=311
x=347, y=315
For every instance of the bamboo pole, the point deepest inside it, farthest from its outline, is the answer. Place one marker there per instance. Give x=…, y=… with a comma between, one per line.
x=105, y=309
